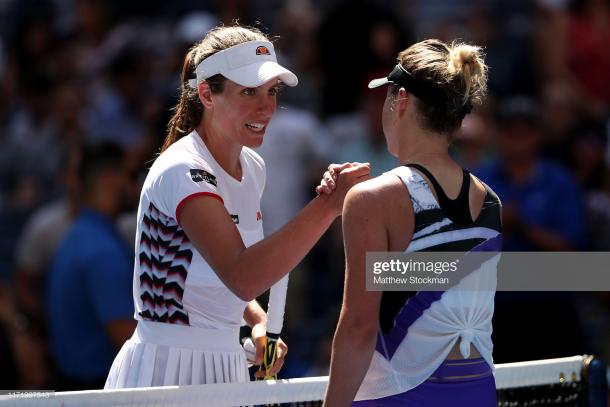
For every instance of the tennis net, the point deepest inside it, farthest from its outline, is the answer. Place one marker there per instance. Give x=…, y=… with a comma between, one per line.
x=577, y=381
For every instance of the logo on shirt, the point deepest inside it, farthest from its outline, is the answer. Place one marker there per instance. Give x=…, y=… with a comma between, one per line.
x=259, y=215
x=262, y=50
x=235, y=219
x=198, y=175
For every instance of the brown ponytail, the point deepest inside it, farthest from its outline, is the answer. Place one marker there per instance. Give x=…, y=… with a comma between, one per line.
x=188, y=111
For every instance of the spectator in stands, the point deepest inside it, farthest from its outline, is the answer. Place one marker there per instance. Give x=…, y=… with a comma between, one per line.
x=542, y=211
x=89, y=298
x=36, y=247
x=530, y=187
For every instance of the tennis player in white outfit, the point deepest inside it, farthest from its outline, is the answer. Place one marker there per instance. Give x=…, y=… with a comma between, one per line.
x=200, y=257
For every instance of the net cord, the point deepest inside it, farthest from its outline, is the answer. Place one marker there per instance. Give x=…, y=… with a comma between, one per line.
x=509, y=375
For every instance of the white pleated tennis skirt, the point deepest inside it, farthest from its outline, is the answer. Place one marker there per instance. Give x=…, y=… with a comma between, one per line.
x=162, y=354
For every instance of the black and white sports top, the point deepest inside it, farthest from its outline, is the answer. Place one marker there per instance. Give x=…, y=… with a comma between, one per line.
x=419, y=329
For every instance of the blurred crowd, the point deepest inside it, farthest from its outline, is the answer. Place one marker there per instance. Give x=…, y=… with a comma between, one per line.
x=77, y=74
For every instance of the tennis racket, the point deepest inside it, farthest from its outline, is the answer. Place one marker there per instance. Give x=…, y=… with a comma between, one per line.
x=275, y=322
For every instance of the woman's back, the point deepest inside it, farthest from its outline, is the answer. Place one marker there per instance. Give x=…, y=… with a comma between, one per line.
x=407, y=341
x=419, y=330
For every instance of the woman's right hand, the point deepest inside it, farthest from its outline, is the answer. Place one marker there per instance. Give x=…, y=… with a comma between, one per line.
x=339, y=178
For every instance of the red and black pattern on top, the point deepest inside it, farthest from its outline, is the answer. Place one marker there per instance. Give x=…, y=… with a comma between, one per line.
x=165, y=254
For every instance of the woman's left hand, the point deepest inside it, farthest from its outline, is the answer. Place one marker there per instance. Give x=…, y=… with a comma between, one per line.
x=259, y=337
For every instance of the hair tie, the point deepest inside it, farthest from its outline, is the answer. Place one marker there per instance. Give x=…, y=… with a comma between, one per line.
x=465, y=109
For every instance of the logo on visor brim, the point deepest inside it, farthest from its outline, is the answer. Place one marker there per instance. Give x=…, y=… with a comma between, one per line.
x=262, y=50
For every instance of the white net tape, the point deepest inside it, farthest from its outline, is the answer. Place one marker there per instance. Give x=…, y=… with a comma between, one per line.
x=510, y=375
x=538, y=372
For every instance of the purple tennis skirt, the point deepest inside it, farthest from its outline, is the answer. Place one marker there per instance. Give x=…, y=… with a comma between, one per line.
x=456, y=383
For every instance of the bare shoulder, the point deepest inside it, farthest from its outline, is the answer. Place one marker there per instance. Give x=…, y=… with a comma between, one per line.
x=377, y=194
x=478, y=184
x=380, y=211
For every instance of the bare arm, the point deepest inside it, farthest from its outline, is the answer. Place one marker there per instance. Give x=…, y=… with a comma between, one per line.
x=354, y=341
x=25, y=282
x=250, y=271
x=541, y=238
x=546, y=239
x=254, y=314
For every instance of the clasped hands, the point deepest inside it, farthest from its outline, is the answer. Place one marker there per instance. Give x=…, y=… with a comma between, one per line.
x=343, y=176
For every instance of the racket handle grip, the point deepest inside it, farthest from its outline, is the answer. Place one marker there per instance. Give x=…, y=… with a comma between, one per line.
x=270, y=354
x=269, y=357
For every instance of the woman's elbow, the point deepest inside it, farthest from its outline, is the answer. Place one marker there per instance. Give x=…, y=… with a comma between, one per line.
x=236, y=283
x=243, y=292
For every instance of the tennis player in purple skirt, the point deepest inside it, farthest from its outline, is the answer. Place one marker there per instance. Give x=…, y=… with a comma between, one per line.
x=425, y=348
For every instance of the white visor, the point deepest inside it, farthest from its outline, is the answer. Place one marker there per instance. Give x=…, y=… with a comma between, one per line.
x=375, y=83
x=248, y=64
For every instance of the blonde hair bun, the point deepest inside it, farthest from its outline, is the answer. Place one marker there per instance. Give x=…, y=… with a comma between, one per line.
x=458, y=70
x=467, y=61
